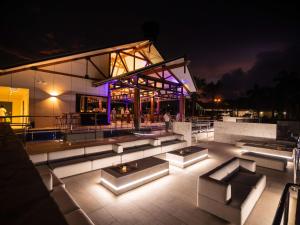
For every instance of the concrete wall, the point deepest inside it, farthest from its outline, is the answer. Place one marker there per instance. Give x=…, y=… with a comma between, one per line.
x=184, y=128
x=230, y=132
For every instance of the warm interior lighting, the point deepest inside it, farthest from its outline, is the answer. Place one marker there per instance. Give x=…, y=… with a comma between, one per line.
x=53, y=93
x=133, y=182
x=16, y=102
x=53, y=99
x=189, y=161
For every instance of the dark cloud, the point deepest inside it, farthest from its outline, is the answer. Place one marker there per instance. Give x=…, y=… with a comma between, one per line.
x=267, y=67
x=217, y=36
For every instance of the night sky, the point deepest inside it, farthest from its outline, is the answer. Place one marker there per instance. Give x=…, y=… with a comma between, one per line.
x=218, y=37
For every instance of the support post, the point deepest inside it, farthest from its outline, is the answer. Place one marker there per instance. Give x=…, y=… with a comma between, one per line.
x=182, y=107
x=152, y=109
x=137, y=118
x=108, y=103
x=157, y=106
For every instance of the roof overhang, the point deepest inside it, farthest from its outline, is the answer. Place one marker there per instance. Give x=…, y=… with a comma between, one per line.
x=174, y=72
x=73, y=56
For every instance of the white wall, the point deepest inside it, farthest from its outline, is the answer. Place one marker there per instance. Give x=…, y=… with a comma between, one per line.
x=184, y=128
x=230, y=132
x=43, y=85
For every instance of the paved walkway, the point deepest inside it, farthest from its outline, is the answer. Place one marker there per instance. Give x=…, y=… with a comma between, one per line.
x=172, y=199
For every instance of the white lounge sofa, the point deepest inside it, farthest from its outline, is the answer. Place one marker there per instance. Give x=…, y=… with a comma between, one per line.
x=231, y=190
x=71, y=211
x=81, y=160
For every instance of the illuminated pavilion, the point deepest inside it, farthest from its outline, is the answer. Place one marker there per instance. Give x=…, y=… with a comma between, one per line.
x=66, y=84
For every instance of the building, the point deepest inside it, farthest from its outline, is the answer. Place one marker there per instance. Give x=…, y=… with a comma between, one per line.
x=87, y=82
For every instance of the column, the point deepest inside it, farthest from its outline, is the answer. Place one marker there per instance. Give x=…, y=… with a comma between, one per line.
x=157, y=105
x=108, y=111
x=152, y=109
x=182, y=107
x=136, y=106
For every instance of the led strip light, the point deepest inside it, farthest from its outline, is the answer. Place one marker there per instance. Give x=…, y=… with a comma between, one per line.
x=270, y=154
x=192, y=160
x=133, y=182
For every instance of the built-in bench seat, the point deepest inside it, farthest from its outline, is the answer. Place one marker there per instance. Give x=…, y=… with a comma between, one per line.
x=172, y=142
x=71, y=166
x=137, y=148
x=267, y=161
x=268, y=151
x=104, y=160
x=75, y=161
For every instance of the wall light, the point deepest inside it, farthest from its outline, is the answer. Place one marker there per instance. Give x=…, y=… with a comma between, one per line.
x=53, y=99
x=53, y=93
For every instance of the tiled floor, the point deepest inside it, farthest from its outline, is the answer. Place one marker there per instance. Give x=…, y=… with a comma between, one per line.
x=171, y=199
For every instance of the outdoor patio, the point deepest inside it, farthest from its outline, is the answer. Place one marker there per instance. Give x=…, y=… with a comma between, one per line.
x=171, y=199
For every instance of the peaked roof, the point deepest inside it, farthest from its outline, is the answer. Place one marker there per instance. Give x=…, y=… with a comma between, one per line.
x=73, y=55
x=179, y=71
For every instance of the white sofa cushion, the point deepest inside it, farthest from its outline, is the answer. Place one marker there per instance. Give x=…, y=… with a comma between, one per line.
x=64, y=200
x=171, y=137
x=132, y=156
x=97, y=149
x=247, y=164
x=172, y=147
x=229, y=168
x=105, y=162
x=72, y=169
x=39, y=158
x=151, y=152
x=65, y=154
x=135, y=143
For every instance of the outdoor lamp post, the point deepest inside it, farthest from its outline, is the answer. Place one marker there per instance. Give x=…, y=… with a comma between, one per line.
x=217, y=100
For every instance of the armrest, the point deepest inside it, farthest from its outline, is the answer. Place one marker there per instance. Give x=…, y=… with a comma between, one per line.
x=155, y=142
x=48, y=180
x=247, y=164
x=180, y=137
x=117, y=148
x=216, y=190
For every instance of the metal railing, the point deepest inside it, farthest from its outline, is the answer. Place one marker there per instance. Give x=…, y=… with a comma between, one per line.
x=282, y=215
x=202, y=126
